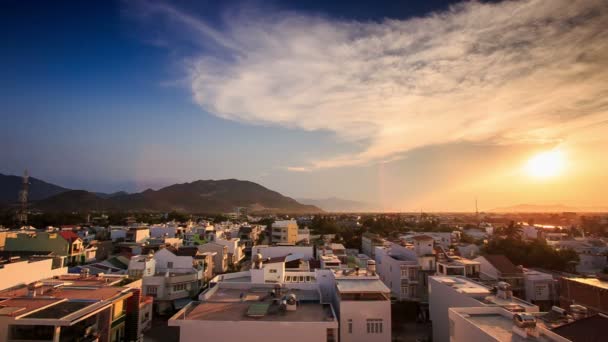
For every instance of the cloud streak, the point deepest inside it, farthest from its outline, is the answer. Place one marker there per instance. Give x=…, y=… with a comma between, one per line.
x=527, y=71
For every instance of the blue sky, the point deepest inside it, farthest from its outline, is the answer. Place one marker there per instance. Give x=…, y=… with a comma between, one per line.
x=308, y=98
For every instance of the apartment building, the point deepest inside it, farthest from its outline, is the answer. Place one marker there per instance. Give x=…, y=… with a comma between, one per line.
x=176, y=278
x=273, y=301
x=499, y=268
x=249, y=235
x=235, y=250
x=71, y=308
x=369, y=242
x=499, y=325
x=398, y=268
x=63, y=243
x=220, y=259
x=455, y=292
x=284, y=232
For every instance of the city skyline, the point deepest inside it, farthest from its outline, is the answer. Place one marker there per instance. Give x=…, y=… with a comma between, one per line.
x=409, y=107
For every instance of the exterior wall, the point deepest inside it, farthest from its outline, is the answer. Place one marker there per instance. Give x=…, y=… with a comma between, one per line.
x=424, y=247
x=25, y=272
x=2, y=240
x=220, y=260
x=280, y=251
x=180, y=263
x=459, y=329
x=239, y=331
x=119, y=233
x=389, y=270
x=369, y=244
x=441, y=298
x=359, y=312
x=141, y=266
x=487, y=270
x=162, y=231
x=284, y=232
x=233, y=249
x=594, y=298
x=51, y=242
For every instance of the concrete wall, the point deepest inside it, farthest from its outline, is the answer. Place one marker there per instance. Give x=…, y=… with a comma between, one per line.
x=359, y=312
x=180, y=263
x=25, y=272
x=463, y=330
x=239, y=331
x=441, y=298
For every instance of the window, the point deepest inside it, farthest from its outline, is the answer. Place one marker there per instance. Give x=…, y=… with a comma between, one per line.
x=272, y=271
x=152, y=290
x=170, y=264
x=331, y=335
x=287, y=279
x=308, y=279
x=350, y=326
x=374, y=326
x=179, y=287
x=404, y=290
x=301, y=279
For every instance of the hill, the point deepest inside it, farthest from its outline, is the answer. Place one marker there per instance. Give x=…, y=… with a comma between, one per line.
x=203, y=196
x=334, y=204
x=38, y=189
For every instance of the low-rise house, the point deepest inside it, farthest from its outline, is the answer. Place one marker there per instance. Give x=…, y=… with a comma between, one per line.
x=399, y=269
x=457, y=266
x=499, y=268
x=176, y=279
x=142, y=266
x=236, y=251
x=369, y=242
x=62, y=243
x=274, y=300
x=456, y=292
x=220, y=259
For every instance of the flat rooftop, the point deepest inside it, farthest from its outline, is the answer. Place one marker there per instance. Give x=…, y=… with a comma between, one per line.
x=257, y=304
x=361, y=285
x=59, y=310
x=591, y=281
x=495, y=325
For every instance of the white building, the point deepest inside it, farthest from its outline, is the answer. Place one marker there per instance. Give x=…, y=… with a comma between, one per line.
x=236, y=251
x=273, y=302
x=141, y=266
x=495, y=324
x=175, y=278
x=453, y=292
x=398, y=268
x=540, y=288
x=306, y=252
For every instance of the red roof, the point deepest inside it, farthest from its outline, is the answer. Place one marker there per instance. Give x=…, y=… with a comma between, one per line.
x=69, y=236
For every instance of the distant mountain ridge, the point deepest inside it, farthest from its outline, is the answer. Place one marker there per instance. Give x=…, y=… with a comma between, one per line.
x=38, y=189
x=202, y=196
x=552, y=208
x=334, y=204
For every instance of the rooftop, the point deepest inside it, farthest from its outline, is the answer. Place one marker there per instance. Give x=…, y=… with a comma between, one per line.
x=257, y=304
x=591, y=281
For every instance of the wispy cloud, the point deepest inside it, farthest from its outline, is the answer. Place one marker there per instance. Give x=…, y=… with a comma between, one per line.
x=509, y=72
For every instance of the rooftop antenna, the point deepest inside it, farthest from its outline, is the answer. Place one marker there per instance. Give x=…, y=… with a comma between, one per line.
x=23, y=194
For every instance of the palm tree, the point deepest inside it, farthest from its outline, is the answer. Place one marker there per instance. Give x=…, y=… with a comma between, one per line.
x=512, y=231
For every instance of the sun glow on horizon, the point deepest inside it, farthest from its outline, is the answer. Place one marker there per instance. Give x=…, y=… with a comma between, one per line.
x=545, y=165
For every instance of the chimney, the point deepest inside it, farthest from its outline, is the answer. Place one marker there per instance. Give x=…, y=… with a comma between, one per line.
x=371, y=268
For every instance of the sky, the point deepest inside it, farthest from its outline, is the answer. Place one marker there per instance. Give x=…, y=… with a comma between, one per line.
x=424, y=105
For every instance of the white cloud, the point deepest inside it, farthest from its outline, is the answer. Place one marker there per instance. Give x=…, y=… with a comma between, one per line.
x=510, y=72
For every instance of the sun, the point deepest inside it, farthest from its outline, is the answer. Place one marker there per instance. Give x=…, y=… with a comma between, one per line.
x=546, y=164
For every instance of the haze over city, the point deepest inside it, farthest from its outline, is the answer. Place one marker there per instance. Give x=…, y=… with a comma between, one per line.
x=408, y=106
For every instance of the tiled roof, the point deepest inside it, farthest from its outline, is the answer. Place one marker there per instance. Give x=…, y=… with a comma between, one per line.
x=69, y=236
x=502, y=264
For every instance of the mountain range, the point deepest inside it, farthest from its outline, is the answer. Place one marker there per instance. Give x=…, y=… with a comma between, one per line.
x=337, y=205
x=202, y=196
x=547, y=208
